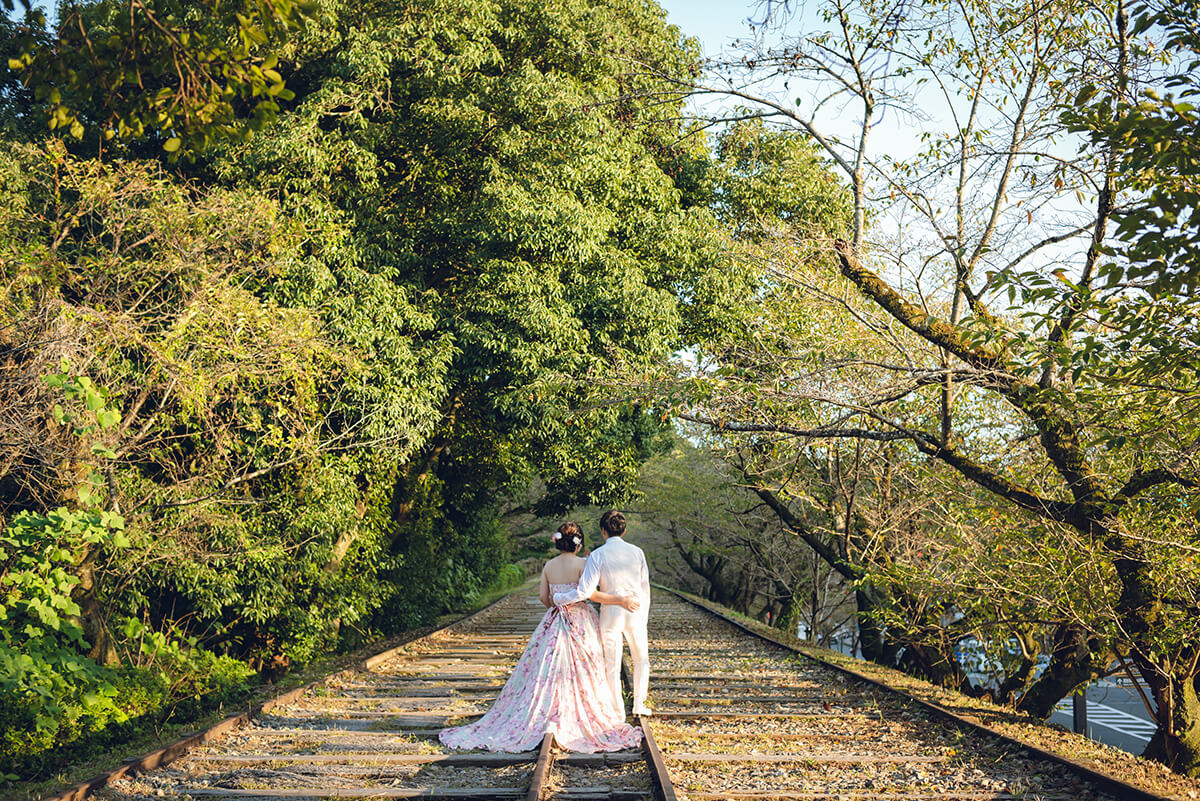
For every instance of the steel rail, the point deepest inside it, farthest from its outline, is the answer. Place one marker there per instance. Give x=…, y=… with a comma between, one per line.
x=660, y=777
x=658, y=766
x=541, y=771
x=485, y=645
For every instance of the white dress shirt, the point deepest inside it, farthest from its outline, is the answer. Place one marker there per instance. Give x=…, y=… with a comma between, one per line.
x=615, y=567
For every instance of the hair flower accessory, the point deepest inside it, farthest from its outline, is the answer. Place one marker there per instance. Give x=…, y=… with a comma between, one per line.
x=557, y=536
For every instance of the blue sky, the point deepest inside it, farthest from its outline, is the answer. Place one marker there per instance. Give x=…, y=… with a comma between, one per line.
x=717, y=24
x=713, y=22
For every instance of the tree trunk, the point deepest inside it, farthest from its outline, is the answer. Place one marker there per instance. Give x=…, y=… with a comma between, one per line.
x=873, y=640
x=408, y=480
x=1019, y=678
x=92, y=616
x=347, y=538
x=932, y=663
x=785, y=619
x=711, y=568
x=814, y=606
x=1174, y=687
x=1075, y=659
x=1139, y=609
x=411, y=474
x=1180, y=746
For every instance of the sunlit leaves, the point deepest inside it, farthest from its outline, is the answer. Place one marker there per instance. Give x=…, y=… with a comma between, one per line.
x=763, y=178
x=40, y=663
x=1153, y=137
x=183, y=74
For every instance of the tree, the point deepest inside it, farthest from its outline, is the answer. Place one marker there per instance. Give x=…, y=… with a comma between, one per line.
x=516, y=232
x=337, y=348
x=180, y=74
x=744, y=557
x=1046, y=404
x=1153, y=141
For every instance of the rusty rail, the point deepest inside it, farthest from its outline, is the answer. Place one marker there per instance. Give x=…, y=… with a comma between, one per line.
x=538, y=782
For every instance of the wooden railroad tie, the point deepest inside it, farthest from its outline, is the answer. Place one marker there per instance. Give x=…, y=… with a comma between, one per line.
x=748, y=699
x=590, y=793
x=471, y=759
x=707, y=715
x=785, y=795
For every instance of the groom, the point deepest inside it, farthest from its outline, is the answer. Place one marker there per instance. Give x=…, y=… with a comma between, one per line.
x=619, y=568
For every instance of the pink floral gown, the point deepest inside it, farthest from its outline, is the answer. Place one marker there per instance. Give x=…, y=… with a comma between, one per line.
x=559, y=686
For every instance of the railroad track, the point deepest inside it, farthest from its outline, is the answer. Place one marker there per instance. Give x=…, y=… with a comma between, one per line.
x=740, y=717
x=736, y=717
x=372, y=733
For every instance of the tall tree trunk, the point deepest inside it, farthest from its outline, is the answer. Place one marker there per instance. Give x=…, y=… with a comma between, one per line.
x=1180, y=746
x=408, y=481
x=785, y=619
x=814, y=605
x=412, y=473
x=92, y=614
x=347, y=538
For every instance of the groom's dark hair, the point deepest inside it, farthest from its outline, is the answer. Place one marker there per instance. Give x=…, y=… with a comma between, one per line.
x=612, y=523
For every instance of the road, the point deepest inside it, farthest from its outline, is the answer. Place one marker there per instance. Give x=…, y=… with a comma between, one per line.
x=1116, y=715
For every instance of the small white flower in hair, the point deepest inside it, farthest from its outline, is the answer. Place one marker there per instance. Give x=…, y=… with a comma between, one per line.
x=557, y=536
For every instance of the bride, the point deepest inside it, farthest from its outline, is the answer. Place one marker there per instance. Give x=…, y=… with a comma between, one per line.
x=559, y=684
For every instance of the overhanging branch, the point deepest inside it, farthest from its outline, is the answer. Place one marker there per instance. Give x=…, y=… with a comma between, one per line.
x=1145, y=479
x=925, y=325
x=812, y=433
x=835, y=560
x=980, y=474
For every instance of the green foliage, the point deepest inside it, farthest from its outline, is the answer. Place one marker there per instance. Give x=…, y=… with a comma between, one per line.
x=320, y=360
x=768, y=177
x=183, y=74
x=80, y=388
x=993, y=361
x=1153, y=141
x=196, y=385
x=451, y=555
x=515, y=240
x=46, y=683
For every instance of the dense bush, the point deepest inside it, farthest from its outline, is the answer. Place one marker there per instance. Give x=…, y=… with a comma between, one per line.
x=47, y=686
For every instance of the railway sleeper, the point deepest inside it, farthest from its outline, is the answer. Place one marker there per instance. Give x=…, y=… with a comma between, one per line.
x=784, y=728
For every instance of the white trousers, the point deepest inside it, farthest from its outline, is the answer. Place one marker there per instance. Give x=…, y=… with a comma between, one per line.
x=617, y=622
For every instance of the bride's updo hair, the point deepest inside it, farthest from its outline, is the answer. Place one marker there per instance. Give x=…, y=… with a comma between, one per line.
x=569, y=537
